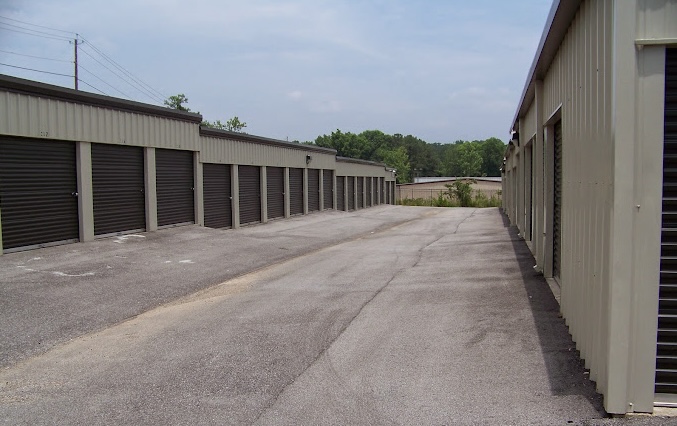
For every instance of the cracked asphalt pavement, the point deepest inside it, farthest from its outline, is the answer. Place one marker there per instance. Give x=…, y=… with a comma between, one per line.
x=388, y=315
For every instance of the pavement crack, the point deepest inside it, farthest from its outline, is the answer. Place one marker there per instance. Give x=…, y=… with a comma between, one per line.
x=324, y=351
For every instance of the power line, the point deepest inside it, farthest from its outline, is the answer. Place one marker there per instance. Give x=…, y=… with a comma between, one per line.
x=31, y=69
x=98, y=90
x=37, y=57
x=106, y=83
x=35, y=31
x=36, y=35
x=129, y=74
x=34, y=25
x=136, y=86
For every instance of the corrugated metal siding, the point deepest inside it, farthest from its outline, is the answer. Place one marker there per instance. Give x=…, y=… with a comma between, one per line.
x=328, y=189
x=580, y=82
x=275, y=181
x=175, y=187
x=353, y=169
x=313, y=190
x=37, y=192
x=118, y=188
x=295, y=191
x=217, y=150
x=528, y=124
x=656, y=19
x=34, y=116
x=218, y=204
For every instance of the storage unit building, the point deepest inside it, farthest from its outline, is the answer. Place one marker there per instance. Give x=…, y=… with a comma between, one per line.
x=588, y=181
x=75, y=166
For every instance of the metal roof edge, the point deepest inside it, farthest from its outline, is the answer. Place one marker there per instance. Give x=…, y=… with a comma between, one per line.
x=557, y=24
x=225, y=134
x=30, y=87
x=358, y=161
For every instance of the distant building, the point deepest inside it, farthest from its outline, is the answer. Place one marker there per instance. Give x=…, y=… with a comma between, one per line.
x=431, y=189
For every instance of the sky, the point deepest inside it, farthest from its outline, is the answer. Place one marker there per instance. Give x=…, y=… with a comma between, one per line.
x=441, y=70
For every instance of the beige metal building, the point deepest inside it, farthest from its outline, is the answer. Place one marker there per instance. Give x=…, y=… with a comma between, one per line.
x=590, y=179
x=75, y=166
x=489, y=186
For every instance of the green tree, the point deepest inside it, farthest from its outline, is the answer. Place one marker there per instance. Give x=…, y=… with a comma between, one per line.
x=398, y=160
x=466, y=160
x=232, y=125
x=235, y=125
x=493, y=150
x=177, y=101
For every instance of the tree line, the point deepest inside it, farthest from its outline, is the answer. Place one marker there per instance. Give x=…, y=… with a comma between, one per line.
x=414, y=157
x=409, y=155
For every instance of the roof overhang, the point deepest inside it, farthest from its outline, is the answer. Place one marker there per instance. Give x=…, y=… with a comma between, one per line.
x=562, y=13
x=29, y=87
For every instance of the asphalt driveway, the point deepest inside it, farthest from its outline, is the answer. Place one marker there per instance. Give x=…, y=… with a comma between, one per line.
x=389, y=315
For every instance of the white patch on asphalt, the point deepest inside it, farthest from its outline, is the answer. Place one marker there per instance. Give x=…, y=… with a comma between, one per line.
x=168, y=261
x=122, y=238
x=186, y=261
x=63, y=274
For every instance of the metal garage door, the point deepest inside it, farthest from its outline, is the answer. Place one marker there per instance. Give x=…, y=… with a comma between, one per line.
x=368, y=191
x=557, y=208
x=666, y=355
x=360, y=192
x=175, y=187
x=218, y=200
x=250, y=194
x=381, y=190
x=275, y=197
x=38, y=193
x=313, y=190
x=393, y=200
x=296, y=191
x=351, y=192
x=328, y=189
x=118, y=186
x=340, y=193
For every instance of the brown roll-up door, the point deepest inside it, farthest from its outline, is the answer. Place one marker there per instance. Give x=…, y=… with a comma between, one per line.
x=175, y=187
x=38, y=192
x=666, y=351
x=381, y=190
x=295, y=191
x=557, y=208
x=393, y=200
x=368, y=180
x=118, y=187
x=360, y=192
x=351, y=193
x=217, y=193
x=313, y=190
x=328, y=189
x=275, y=197
x=250, y=194
x=340, y=193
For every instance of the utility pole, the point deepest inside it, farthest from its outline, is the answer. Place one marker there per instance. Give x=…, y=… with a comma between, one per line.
x=75, y=46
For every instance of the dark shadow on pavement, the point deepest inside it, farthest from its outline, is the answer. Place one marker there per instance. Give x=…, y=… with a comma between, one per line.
x=566, y=371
